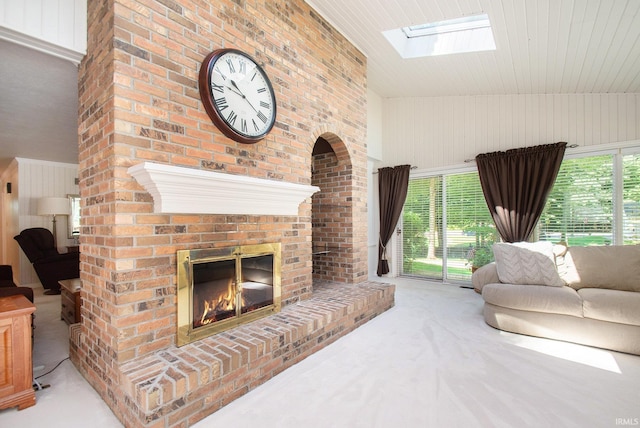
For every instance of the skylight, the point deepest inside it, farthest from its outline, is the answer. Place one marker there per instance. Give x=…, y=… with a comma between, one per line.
x=467, y=34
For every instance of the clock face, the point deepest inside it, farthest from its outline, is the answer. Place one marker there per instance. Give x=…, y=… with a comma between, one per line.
x=237, y=95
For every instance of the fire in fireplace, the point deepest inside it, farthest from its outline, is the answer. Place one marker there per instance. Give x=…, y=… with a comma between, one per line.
x=224, y=287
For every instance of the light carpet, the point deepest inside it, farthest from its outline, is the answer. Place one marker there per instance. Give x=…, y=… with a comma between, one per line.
x=430, y=361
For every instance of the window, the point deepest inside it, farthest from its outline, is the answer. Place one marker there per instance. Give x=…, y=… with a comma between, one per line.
x=590, y=206
x=74, y=216
x=449, y=26
x=459, y=35
x=447, y=228
x=631, y=199
x=579, y=210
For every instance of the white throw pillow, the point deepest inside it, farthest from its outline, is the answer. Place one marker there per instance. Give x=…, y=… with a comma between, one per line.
x=527, y=263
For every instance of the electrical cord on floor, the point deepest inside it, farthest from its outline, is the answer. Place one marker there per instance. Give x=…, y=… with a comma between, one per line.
x=50, y=371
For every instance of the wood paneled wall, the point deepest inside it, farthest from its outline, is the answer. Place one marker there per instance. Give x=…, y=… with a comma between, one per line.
x=46, y=24
x=444, y=131
x=9, y=219
x=38, y=179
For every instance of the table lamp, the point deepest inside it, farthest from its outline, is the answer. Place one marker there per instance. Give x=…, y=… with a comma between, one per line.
x=53, y=207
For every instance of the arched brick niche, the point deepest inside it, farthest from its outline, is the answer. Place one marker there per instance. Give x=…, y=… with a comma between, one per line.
x=334, y=224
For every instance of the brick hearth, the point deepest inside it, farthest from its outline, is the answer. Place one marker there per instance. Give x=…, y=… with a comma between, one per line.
x=183, y=385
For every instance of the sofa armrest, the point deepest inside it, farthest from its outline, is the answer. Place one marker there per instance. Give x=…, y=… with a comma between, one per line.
x=15, y=291
x=487, y=274
x=6, y=272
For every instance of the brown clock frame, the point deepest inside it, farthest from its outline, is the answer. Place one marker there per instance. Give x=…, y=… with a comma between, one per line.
x=204, y=84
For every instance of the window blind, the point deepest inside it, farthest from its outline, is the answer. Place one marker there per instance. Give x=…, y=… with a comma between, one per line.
x=631, y=199
x=441, y=241
x=579, y=210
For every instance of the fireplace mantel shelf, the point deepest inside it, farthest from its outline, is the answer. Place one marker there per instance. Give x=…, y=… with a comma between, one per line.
x=191, y=191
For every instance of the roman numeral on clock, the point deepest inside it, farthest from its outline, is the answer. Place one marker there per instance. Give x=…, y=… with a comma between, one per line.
x=217, y=70
x=232, y=117
x=221, y=103
x=232, y=69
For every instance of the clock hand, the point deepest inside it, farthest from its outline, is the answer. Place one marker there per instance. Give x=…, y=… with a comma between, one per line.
x=235, y=91
x=235, y=85
x=239, y=92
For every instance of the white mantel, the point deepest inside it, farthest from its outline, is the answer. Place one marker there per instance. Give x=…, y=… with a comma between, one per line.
x=193, y=191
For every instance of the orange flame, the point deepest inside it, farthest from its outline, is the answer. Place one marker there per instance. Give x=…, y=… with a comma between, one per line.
x=223, y=303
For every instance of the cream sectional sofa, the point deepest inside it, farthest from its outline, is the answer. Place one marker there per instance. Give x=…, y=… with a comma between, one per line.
x=585, y=295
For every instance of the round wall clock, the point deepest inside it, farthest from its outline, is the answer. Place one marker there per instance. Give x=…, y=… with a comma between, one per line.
x=237, y=95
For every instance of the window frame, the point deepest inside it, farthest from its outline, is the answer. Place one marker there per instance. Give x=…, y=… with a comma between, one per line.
x=617, y=150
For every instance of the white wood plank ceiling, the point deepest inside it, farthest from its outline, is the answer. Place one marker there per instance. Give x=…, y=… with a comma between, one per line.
x=543, y=46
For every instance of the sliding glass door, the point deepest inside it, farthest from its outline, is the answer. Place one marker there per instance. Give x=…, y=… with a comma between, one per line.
x=421, y=229
x=446, y=227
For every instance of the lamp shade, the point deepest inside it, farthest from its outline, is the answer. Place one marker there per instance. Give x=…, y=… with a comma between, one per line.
x=53, y=206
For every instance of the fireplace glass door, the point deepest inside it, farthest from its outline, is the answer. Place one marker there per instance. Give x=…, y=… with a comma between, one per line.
x=214, y=291
x=221, y=288
x=257, y=282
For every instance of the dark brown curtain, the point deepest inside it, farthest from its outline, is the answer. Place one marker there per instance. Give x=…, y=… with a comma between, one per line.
x=516, y=184
x=392, y=190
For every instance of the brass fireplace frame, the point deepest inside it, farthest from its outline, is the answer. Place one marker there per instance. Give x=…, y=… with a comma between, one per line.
x=187, y=258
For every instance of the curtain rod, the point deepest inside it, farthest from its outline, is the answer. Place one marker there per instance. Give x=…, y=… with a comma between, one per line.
x=413, y=167
x=570, y=146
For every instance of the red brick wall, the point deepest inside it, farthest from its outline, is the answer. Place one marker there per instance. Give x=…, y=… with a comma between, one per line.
x=332, y=231
x=139, y=101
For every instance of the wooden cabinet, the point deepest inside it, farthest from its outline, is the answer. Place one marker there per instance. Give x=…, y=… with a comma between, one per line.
x=16, y=366
x=70, y=300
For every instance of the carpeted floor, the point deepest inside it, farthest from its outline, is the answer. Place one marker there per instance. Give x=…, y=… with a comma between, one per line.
x=431, y=361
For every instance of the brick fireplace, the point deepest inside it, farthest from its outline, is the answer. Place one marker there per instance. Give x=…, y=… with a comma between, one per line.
x=139, y=103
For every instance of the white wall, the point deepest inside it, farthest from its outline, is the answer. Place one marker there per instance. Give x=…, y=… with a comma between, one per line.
x=444, y=131
x=374, y=157
x=374, y=126
x=39, y=179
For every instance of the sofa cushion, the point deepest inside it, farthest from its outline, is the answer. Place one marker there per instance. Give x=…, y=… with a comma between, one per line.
x=621, y=307
x=534, y=298
x=484, y=275
x=612, y=267
x=527, y=263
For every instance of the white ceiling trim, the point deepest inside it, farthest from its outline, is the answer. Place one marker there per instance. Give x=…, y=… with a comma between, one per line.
x=41, y=45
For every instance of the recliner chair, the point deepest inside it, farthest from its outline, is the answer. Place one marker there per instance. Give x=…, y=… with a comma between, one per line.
x=38, y=245
x=9, y=288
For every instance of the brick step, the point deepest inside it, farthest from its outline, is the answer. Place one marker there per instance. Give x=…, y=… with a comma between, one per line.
x=193, y=381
